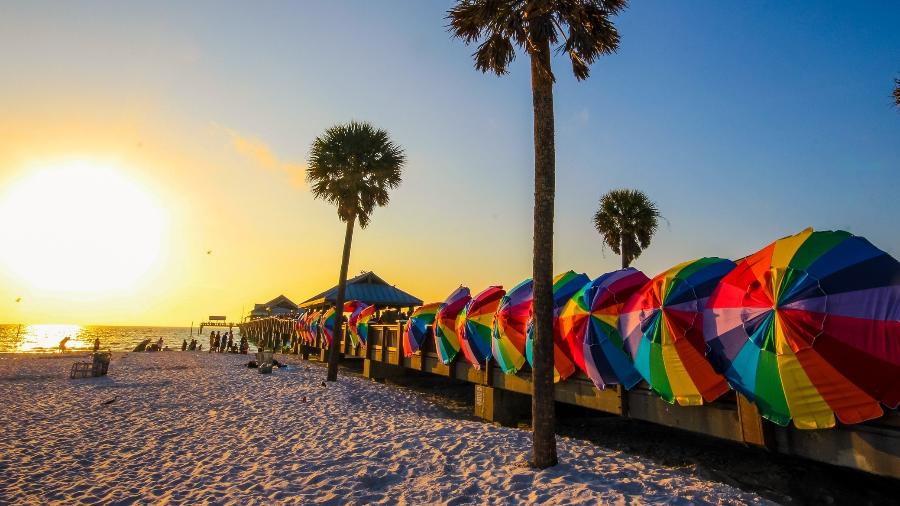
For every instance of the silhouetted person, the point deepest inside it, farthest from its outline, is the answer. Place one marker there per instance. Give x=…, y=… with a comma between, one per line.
x=184, y=345
x=62, y=344
x=96, y=344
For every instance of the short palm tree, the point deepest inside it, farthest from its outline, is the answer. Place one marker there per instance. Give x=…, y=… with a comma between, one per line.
x=352, y=166
x=581, y=29
x=627, y=220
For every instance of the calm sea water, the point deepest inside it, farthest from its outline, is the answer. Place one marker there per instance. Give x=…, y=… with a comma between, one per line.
x=43, y=338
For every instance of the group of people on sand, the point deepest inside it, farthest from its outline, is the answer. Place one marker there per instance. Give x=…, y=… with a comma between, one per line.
x=224, y=343
x=190, y=347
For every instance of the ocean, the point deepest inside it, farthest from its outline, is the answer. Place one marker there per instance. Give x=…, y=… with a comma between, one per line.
x=44, y=338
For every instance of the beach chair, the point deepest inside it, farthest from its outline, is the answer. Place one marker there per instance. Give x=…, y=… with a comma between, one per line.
x=264, y=359
x=80, y=370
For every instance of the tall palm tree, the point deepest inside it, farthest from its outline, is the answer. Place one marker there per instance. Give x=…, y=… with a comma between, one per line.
x=583, y=30
x=627, y=220
x=352, y=166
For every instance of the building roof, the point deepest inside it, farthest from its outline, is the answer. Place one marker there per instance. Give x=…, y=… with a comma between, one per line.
x=282, y=302
x=368, y=287
x=278, y=306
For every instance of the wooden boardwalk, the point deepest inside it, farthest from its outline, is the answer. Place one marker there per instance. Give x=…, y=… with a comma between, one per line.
x=873, y=447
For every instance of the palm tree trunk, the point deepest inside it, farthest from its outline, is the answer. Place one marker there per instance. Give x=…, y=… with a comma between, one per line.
x=334, y=351
x=622, y=249
x=543, y=417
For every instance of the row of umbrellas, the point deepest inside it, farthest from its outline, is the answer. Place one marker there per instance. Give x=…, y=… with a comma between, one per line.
x=808, y=328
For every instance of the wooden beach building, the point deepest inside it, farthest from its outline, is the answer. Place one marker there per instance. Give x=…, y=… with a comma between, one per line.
x=370, y=288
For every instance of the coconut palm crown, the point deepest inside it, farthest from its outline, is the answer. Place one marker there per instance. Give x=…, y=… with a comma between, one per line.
x=353, y=166
x=627, y=220
x=580, y=28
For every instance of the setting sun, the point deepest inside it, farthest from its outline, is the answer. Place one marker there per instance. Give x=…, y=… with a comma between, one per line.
x=79, y=226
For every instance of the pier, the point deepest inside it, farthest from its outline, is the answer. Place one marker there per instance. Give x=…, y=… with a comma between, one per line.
x=872, y=447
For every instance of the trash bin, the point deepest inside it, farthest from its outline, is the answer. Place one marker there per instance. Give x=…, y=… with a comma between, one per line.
x=100, y=363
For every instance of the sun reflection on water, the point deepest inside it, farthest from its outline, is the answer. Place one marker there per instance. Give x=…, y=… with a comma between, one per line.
x=46, y=337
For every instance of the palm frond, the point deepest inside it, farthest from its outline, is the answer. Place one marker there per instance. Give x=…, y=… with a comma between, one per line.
x=353, y=166
x=582, y=29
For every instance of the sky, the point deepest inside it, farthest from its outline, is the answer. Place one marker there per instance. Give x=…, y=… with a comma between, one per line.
x=743, y=121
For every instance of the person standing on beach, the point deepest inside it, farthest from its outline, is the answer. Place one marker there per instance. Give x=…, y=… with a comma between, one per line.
x=211, y=336
x=96, y=344
x=230, y=341
x=184, y=345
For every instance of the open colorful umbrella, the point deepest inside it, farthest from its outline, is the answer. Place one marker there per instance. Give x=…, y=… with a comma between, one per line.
x=315, y=323
x=417, y=327
x=589, y=323
x=474, y=326
x=328, y=318
x=809, y=328
x=359, y=324
x=663, y=329
x=446, y=340
x=510, y=329
x=565, y=286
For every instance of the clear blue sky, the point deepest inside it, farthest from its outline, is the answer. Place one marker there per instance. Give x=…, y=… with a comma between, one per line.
x=744, y=121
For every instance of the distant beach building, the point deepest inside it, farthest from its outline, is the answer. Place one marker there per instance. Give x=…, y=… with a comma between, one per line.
x=370, y=288
x=279, y=306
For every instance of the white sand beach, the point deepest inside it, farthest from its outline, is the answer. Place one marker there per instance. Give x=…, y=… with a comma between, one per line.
x=197, y=428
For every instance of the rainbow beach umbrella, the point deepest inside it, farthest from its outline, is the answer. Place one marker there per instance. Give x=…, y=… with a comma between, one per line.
x=565, y=286
x=662, y=324
x=416, y=330
x=590, y=325
x=510, y=329
x=474, y=325
x=315, y=324
x=446, y=340
x=359, y=324
x=808, y=328
x=328, y=318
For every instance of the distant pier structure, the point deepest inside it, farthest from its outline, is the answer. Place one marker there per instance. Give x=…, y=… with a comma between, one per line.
x=216, y=321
